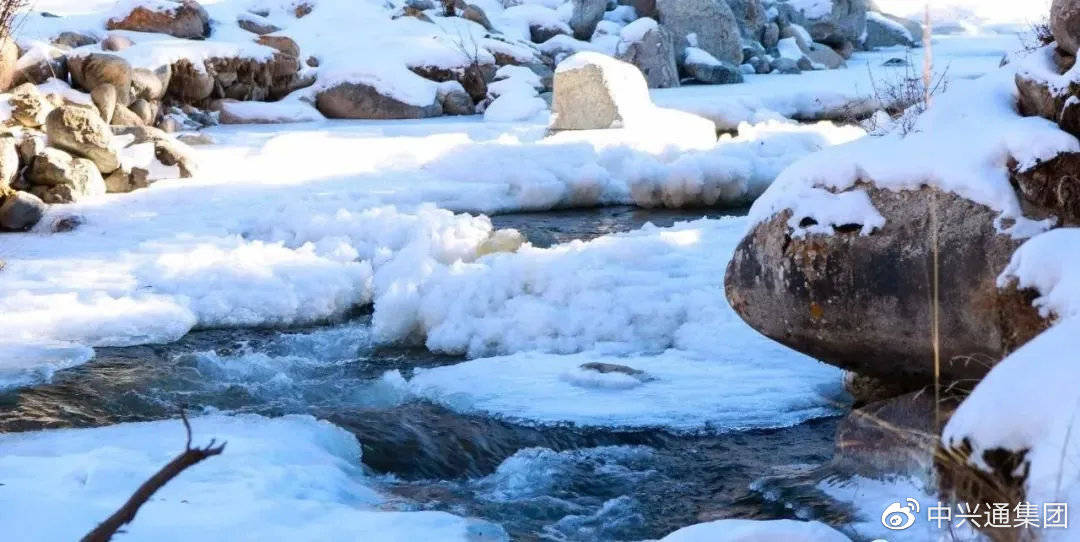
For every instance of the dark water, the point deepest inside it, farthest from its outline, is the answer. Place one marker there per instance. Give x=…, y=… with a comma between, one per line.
x=559, y=483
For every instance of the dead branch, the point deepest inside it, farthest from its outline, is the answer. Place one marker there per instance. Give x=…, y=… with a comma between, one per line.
x=126, y=514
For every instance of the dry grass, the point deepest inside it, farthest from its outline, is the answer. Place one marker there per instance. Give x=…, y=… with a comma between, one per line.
x=11, y=14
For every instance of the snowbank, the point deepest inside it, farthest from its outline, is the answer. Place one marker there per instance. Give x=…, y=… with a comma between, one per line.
x=743, y=530
x=290, y=477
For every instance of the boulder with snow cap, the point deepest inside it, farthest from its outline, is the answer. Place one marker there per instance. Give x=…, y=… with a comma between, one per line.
x=837, y=23
x=41, y=63
x=858, y=297
x=708, y=24
x=81, y=131
x=178, y=18
x=1065, y=24
x=649, y=46
x=704, y=68
x=20, y=211
x=824, y=56
x=363, y=101
x=595, y=91
x=887, y=31
x=73, y=40
x=1045, y=93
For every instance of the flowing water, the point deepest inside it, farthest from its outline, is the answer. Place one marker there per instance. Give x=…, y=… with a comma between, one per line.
x=539, y=483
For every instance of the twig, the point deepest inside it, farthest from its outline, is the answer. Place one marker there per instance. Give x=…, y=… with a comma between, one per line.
x=126, y=514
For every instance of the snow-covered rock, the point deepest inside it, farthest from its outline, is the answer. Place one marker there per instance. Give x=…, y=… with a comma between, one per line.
x=708, y=24
x=887, y=31
x=837, y=23
x=81, y=131
x=363, y=101
x=19, y=211
x=594, y=91
x=58, y=177
x=650, y=47
x=179, y=18
x=705, y=68
x=585, y=16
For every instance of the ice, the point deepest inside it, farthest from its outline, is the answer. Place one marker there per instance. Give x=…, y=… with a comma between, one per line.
x=25, y=364
x=743, y=530
x=289, y=477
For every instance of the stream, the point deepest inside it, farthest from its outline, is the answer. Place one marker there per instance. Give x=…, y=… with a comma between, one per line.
x=538, y=483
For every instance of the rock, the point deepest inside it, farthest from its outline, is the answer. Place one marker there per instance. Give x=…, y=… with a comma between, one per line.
x=125, y=181
x=81, y=131
x=705, y=69
x=751, y=17
x=1052, y=185
x=256, y=25
x=41, y=63
x=361, y=101
x=420, y=5
x=144, y=110
x=860, y=302
x=9, y=161
x=30, y=146
x=454, y=99
x=541, y=33
x=644, y=8
x=187, y=19
x=171, y=152
x=1065, y=24
x=845, y=23
x=770, y=35
x=29, y=106
x=59, y=177
x=821, y=54
x=799, y=34
x=195, y=139
x=20, y=211
x=473, y=13
x=594, y=91
x=150, y=85
x=888, y=31
x=1036, y=98
x=891, y=437
x=283, y=44
x=96, y=69
x=785, y=66
x=104, y=98
x=9, y=58
x=116, y=42
x=711, y=21
x=653, y=54
x=585, y=16
x=73, y=40
x=303, y=9
x=190, y=84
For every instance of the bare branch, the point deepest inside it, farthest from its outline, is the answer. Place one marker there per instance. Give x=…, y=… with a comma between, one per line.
x=126, y=514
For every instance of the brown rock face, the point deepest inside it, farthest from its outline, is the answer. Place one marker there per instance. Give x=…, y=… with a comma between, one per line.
x=1054, y=184
x=187, y=20
x=1036, y=99
x=360, y=101
x=863, y=302
x=94, y=70
x=1065, y=24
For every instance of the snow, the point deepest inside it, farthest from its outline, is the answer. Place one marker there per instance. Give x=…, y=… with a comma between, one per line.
x=515, y=106
x=269, y=112
x=635, y=31
x=289, y=477
x=695, y=55
x=1033, y=394
x=962, y=144
x=789, y=48
x=984, y=13
x=812, y=9
x=743, y=530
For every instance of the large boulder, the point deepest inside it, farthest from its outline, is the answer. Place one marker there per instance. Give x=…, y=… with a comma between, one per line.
x=58, y=177
x=20, y=211
x=649, y=46
x=705, y=68
x=81, y=131
x=96, y=69
x=9, y=58
x=29, y=106
x=838, y=27
x=585, y=16
x=1053, y=101
x=711, y=23
x=182, y=19
x=887, y=31
x=41, y=63
x=595, y=91
x=1065, y=24
x=362, y=101
x=1052, y=184
x=862, y=302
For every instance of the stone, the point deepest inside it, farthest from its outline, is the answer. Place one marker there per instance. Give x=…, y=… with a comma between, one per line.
x=9, y=160
x=654, y=55
x=73, y=40
x=455, y=101
x=1065, y=24
x=362, y=101
x=821, y=54
x=785, y=66
x=121, y=180
x=20, y=211
x=770, y=36
x=711, y=21
x=41, y=63
x=9, y=59
x=104, y=98
x=845, y=23
x=761, y=66
x=1053, y=185
x=187, y=20
x=81, y=131
x=644, y=8
x=475, y=14
x=283, y=44
x=751, y=16
x=29, y=106
x=116, y=42
x=710, y=71
x=585, y=16
x=594, y=91
x=144, y=110
x=96, y=69
x=889, y=31
x=29, y=147
x=255, y=25
x=541, y=33
x=861, y=302
x=190, y=84
x=171, y=152
x=59, y=177
x=124, y=116
x=1036, y=98
x=799, y=34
